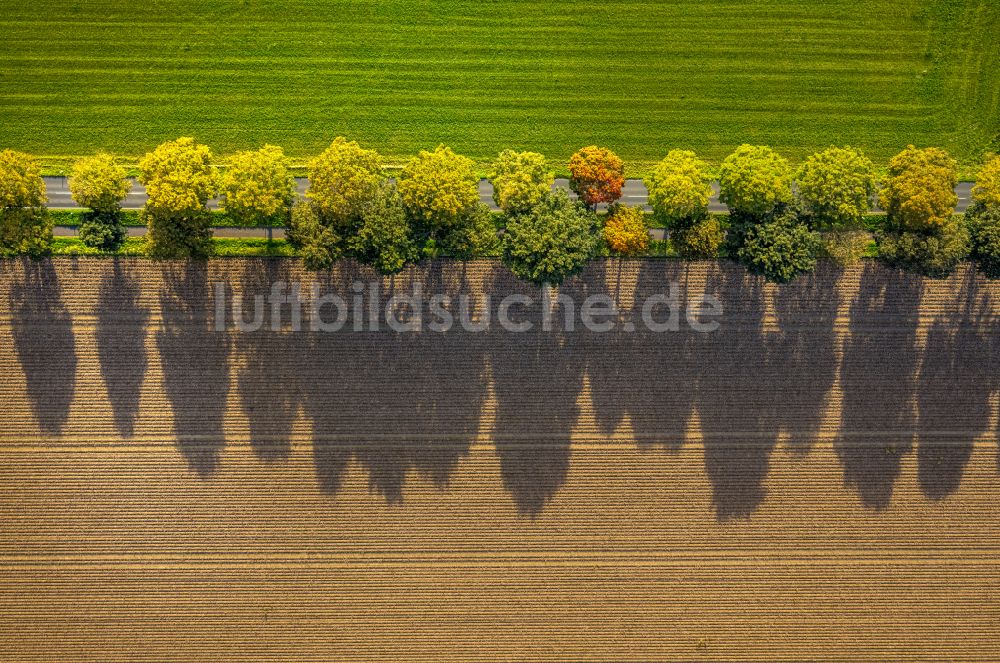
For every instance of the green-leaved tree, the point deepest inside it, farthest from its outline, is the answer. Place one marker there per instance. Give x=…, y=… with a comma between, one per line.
x=755, y=182
x=383, y=238
x=551, y=242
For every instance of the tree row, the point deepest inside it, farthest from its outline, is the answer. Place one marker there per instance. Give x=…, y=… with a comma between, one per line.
x=781, y=219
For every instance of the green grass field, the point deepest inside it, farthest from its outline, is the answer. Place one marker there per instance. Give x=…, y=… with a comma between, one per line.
x=641, y=77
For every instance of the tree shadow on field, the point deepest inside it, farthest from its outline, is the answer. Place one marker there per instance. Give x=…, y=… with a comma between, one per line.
x=957, y=378
x=397, y=401
x=734, y=403
x=802, y=359
x=878, y=375
x=648, y=376
x=121, y=344
x=195, y=361
x=747, y=385
x=42, y=328
x=271, y=358
x=538, y=376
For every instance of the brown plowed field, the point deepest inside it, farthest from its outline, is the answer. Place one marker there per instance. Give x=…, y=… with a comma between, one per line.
x=818, y=479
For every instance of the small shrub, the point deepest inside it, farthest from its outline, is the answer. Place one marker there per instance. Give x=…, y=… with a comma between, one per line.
x=846, y=247
x=319, y=245
x=984, y=230
x=703, y=240
x=934, y=253
x=597, y=175
x=780, y=249
x=625, y=231
x=104, y=231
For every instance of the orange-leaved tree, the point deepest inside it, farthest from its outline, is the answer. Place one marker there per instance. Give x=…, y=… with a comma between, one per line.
x=597, y=175
x=625, y=231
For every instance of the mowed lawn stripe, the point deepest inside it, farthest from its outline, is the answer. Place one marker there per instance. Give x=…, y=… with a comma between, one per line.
x=641, y=77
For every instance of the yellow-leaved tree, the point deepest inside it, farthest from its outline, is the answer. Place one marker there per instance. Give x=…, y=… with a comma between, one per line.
x=342, y=180
x=440, y=193
x=257, y=187
x=439, y=188
x=100, y=184
x=25, y=227
x=679, y=190
x=836, y=188
x=755, y=182
x=179, y=180
x=919, y=193
x=520, y=180
x=987, y=189
x=919, y=198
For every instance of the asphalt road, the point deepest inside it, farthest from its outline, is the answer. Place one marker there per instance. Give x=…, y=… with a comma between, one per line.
x=634, y=193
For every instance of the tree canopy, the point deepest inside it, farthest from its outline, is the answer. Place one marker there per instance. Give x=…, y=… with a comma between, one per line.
x=343, y=179
x=679, y=189
x=439, y=188
x=919, y=193
x=552, y=241
x=836, y=187
x=25, y=227
x=625, y=231
x=755, y=181
x=99, y=182
x=257, y=186
x=597, y=175
x=383, y=238
x=780, y=248
x=178, y=176
x=179, y=179
x=520, y=180
x=987, y=188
